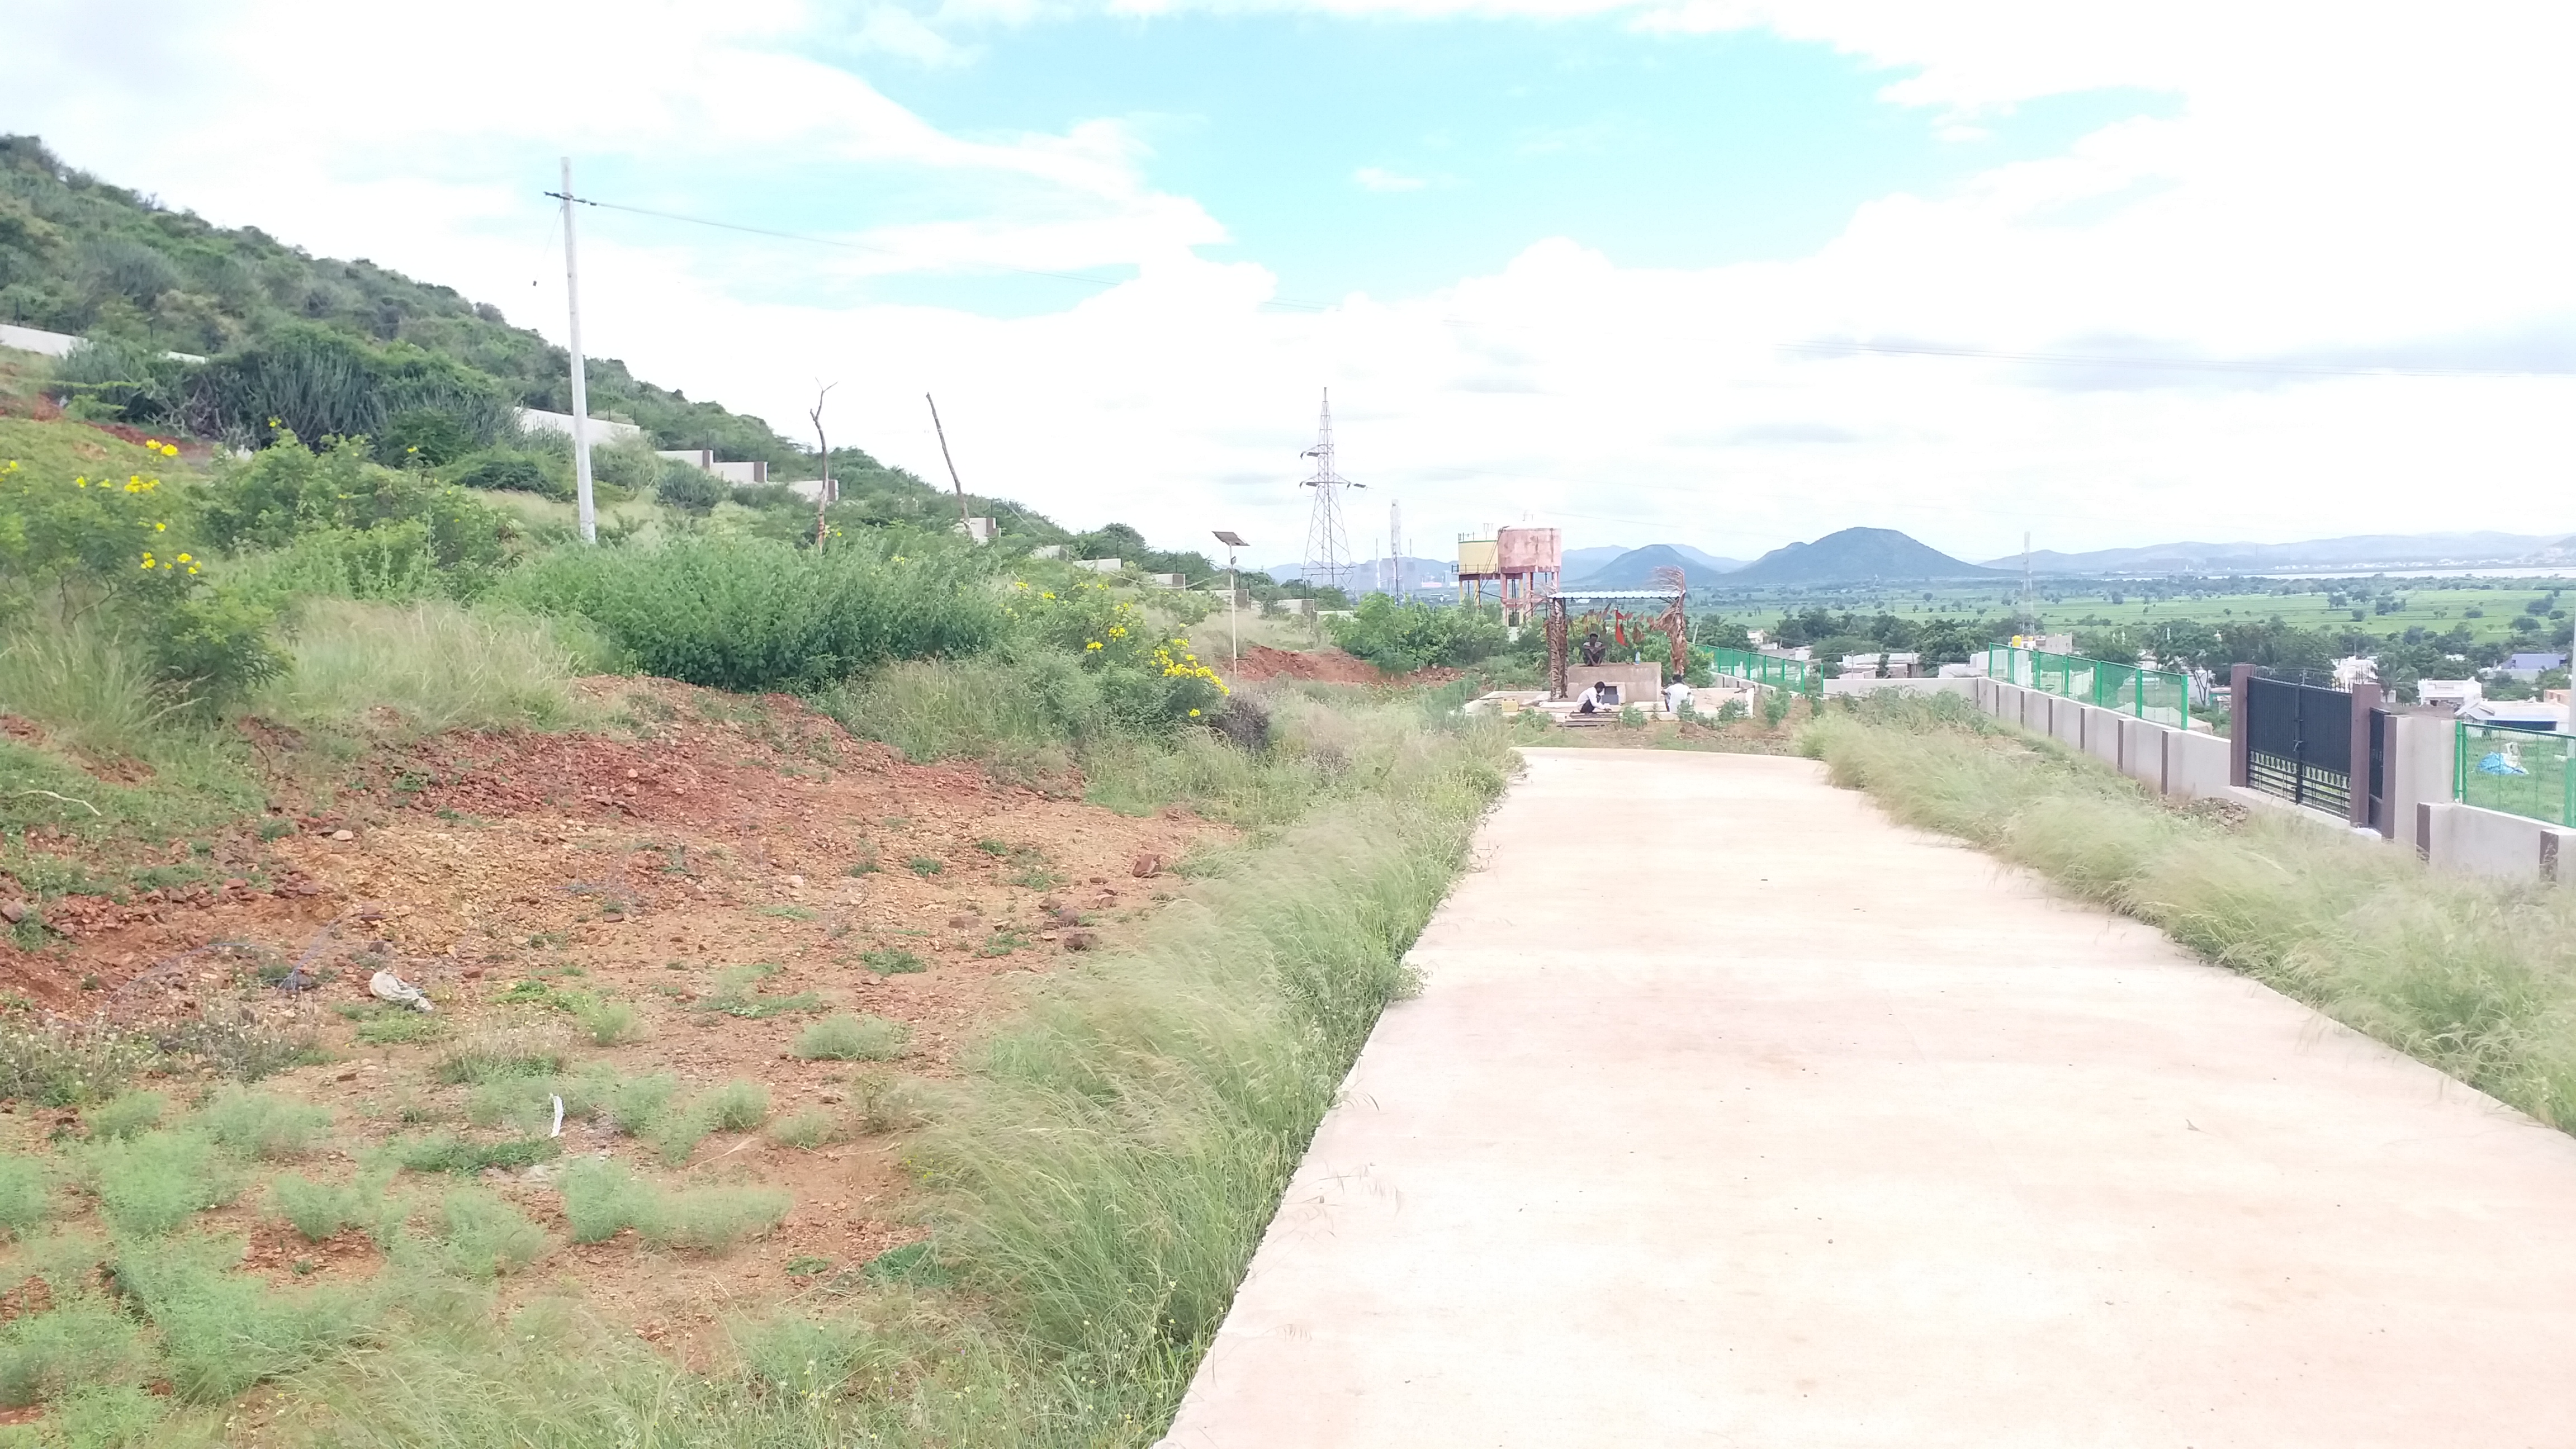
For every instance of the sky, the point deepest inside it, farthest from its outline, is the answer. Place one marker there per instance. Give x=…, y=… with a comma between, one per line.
x=1728, y=273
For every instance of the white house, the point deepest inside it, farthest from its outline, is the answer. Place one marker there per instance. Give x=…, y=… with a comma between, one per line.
x=2459, y=694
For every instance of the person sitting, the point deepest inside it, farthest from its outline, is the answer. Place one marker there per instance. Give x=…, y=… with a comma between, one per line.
x=1594, y=651
x=1593, y=697
x=1677, y=698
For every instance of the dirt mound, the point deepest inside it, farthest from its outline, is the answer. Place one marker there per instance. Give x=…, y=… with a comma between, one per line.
x=1329, y=665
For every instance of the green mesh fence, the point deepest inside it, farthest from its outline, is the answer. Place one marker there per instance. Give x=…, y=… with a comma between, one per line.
x=2151, y=694
x=2520, y=772
x=1794, y=675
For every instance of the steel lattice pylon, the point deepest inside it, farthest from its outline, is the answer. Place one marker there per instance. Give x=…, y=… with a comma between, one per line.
x=1328, y=549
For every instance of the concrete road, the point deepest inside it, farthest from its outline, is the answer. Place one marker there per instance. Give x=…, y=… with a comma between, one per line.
x=1733, y=1114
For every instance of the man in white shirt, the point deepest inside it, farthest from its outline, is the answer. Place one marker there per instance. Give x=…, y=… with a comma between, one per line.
x=1590, y=700
x=1677, y=698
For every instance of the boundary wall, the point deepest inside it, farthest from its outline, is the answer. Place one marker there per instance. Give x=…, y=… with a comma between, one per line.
x=2193, y=765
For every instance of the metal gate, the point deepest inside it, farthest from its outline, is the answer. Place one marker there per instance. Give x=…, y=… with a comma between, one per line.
x=2298, y=743
x=2378, y=773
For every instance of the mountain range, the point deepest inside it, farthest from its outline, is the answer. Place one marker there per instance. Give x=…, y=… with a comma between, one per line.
x=1588, y=566
x=1854, y=556
x=2368, y=550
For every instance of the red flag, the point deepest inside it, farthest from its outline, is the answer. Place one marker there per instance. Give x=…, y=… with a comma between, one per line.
x=1619, y=628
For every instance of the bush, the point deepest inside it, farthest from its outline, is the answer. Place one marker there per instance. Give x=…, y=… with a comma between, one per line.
x=324, y=383
x=289, y=490
x=852, y=1039
x=743, y=614
x=400, y=1028
x=892, y=961
x=1403, y=637
x=609, y=1023
x=256, y=1124
x=480, y=1235
x=149, y=1184
x=602, y=1197
x=689, y=488
x=499, y=1054
x=446, y=1152
x=509, y=470
x=56, y=1065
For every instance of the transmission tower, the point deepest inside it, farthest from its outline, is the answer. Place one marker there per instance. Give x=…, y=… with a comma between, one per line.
x=1328, y=549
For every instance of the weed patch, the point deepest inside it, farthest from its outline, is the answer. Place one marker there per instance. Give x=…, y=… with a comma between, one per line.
x=125, y=1115
x=256, y=1124
x=149, y=1184
x=446, y=1152
x=480, y=1235
x=26, y=1196
x=892, y=961
x=852, y=1039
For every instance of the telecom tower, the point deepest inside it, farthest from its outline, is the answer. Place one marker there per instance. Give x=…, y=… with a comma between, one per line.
x=1328, y=549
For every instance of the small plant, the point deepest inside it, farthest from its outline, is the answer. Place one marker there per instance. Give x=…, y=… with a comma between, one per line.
x=400, y=1028
x=25, y=1197
x=500, y=1054
x=316, y=1210
x=852, y=1039
x=714, y=1219
x=222, y=1332
x=601, y=1198
x=892, y=961
x=637, y=1104
x=889, y=1104
x=792, y=913
x=610, y=1023
x=149, y=1184
x=736, y=1106
x=1002, y=942
x=59, y=1065
x=806, y=1129
x=256, y=1124
x=480, y=1235
x=80, y=1343
x=125, y=1115
x=992, y=847
x=1731, y=710
x=446, y=1152
x=864, y=860
x=1631, y=717
x=925, y=865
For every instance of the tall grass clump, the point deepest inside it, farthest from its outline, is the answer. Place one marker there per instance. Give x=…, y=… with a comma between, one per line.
x=149, y=1184
x=2473, y=976
x=750, y=614
x=435, y=665
x=256, y=1124
x=848, y=1038
x=1109, y=1171
x=222, y=1332
x=26, y=1197
x=80, y=1341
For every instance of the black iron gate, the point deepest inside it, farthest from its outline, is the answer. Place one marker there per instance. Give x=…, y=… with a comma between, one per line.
x=2298, y=743
x=2377, y=776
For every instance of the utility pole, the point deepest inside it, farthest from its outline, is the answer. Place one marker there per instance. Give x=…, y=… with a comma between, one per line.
x=2029, y=625
x=823, y=499
x=1233, y=590
x=588, y=513
x=1395, y=549
x=962, y=520
x=1328, y=550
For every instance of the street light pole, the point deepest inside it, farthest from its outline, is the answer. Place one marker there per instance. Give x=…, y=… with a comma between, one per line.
x=1233, y=591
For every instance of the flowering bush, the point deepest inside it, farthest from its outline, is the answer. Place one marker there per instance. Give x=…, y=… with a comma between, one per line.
x=125, y=546
x=1146, y=680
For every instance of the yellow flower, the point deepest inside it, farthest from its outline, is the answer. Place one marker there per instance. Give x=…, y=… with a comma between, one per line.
x=160, y=528
x=1194, y=714
x=183, y=558
x=1094, y=644
x=147, y=561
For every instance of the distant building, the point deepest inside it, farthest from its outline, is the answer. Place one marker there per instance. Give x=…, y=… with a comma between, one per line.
x=751, y=474
x=2458, y=694
x=2528, y=667
x=538, y=420
x=2518, y=714
x=2357, y=669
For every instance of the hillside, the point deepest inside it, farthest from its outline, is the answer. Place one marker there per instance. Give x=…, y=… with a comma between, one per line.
x=1855, y=555
x=1635, y=569
x=2373, y=550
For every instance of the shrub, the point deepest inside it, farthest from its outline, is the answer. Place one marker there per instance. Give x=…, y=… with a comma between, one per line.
x=737, y=1106
x=689, y=488
x=149, y=1184
x=852, y=1039
x=637, y=1105
x=82, y=1341
x=890, y=1104
x=481, y=1235
x=400, y=1028
x=925, y=865
x=258, y=1125
x=57, y=1065
x=26, y=1199
x=289, y=490
x=1403, y=637
x=125, y=1115
x=714, y=1219
x=744, y=614
x=601, y=1197
x=500, y=1054
x=509, y=470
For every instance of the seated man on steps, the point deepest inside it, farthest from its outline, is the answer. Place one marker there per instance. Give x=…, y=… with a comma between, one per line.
x=1593, y=697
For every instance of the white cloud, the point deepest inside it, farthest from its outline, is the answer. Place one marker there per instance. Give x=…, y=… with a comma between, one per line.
x=1374, y=178
x=2328, y=183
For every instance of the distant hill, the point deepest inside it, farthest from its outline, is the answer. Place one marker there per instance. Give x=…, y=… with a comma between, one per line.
x=1635, y=569
x=2369, y=550
x=1855, y=556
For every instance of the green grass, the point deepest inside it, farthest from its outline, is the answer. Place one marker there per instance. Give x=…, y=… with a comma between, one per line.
x=125, y=1115
x=480, y=1235
x=151, y=1183
x=609, y=1023
x=421, y=668
x=892, y=961
x=500, y=1054
x=83, y=1341
x=924, y=865
x=222, y=1332
x=2475, y=977
x=447, y=1152
x=26, y=1195
x=317, y=1210
x=400, y=1028
x=602, y=1198
x=806, y=1129
x=852, y=1039
x=256, y=1124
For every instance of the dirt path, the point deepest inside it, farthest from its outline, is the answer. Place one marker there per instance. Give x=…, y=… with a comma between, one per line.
x=1734, y=1115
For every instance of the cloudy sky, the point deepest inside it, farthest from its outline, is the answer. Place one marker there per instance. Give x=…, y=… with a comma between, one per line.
x=1719, y=272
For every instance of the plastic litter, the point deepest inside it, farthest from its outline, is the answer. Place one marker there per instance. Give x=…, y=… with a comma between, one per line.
x=386, y=986
x=558, y=1132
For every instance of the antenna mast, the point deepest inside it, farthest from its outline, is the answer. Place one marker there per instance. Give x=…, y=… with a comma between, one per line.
x=1328, y=547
